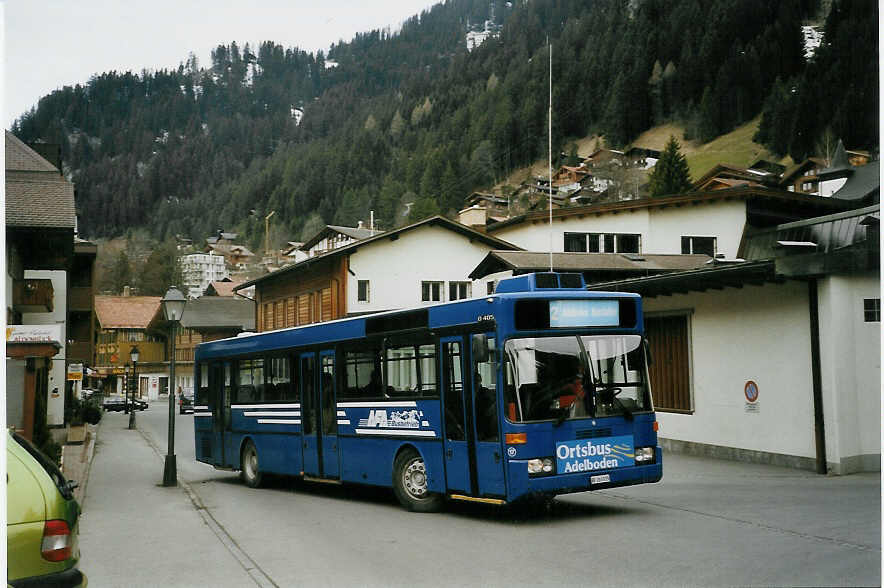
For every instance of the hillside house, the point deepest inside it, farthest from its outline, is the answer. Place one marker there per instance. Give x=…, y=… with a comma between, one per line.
x=724, y=176
x=332, y=237
x=198, y=270
x=803, y=177
x=423, y=263
x=641, y=157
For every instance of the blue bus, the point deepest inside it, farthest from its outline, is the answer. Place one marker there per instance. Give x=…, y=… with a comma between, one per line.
x=536, y=390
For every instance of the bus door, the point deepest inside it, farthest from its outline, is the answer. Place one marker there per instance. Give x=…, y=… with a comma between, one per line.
x=221, y=386
x=319, y=420
x=329, y=411
x=309, y=415
x=473, y=458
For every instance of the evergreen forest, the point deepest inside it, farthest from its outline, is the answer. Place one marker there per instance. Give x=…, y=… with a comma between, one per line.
x=408, y=123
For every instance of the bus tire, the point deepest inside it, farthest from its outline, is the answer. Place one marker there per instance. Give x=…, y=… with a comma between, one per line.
x=251, y=472
x=410, y=483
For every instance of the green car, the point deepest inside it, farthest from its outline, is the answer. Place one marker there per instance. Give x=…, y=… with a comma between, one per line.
x=41, y=520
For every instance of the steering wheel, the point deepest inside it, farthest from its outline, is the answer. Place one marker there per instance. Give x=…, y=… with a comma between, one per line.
x=607, y=394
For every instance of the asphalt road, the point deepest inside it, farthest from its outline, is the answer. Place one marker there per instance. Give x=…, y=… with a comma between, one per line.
x=709, y=523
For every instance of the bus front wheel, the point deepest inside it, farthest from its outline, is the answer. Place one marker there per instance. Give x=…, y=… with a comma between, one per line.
x=410, y=483
x=251, y=473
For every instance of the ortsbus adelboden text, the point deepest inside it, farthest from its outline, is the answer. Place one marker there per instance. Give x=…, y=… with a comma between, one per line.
x=537, y=390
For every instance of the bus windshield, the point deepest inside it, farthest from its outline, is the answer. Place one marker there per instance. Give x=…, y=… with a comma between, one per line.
x=561, y=378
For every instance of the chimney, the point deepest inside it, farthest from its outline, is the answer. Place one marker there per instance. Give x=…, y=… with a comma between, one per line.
x=126, y=291
x=360, y=225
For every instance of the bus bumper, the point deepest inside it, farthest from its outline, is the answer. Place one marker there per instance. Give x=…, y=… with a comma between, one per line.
x=522, y=485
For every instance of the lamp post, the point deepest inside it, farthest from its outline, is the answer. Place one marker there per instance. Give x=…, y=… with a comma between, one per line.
x=133, y=355
x=173, y=308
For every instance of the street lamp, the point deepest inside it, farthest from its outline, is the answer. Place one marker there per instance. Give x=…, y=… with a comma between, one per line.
x=133, y=355
x=173, y=308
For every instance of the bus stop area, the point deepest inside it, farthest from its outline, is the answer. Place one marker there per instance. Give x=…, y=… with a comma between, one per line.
x=135, y=532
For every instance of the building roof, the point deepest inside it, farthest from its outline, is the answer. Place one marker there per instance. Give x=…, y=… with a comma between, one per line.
x=356, y=233
x=788, y=176
x=799, y=205
x=221, y=288
x=126, y=312
x=37, y=195
x=219, y=312
x=440, y=221
x=520, y=262
x=865, y=182
x=715, y=277
x=824, y=234
x=224, y=249
x=723, y=171
x=20, y=157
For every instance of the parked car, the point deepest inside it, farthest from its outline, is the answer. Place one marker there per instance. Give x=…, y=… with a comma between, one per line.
x=42, y=520
x=117, y=402
x=185, y=403
x=114, y=402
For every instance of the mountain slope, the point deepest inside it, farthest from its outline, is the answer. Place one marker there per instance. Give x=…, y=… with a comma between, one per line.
x=410, y=118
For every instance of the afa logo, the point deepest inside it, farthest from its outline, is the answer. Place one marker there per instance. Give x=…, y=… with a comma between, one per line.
x=399, y=419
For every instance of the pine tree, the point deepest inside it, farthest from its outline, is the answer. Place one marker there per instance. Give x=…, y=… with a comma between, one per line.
x=670, y=175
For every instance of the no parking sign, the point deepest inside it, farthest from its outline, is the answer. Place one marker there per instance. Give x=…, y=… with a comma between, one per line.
x=750, y=391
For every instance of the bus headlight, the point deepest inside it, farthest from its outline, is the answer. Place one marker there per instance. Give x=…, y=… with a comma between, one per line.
x=644, y=455
x=541, y=467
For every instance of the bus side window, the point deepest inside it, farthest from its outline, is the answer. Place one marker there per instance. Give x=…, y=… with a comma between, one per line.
x=485, y=377
x=362, y=374
x=202, y=386
x=454, y=415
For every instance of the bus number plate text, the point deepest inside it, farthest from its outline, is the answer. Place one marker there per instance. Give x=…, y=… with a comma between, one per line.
x=600, y=479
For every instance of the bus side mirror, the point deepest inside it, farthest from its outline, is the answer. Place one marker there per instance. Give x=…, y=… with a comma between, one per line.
x=480, y=348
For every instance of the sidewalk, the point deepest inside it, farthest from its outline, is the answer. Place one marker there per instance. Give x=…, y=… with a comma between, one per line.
x=135, y=532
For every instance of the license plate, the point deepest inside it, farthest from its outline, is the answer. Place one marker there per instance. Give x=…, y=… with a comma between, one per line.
x=601, y=479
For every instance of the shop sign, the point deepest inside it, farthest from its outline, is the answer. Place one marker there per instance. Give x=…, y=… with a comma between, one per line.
x=75, y=372
x=33, y=334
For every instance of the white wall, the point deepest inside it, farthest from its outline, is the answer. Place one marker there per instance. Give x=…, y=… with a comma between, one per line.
x=758, y=333
x=850, y=356
x=724, y=220
x=536, y=237
x=58, y=316
x=661, y=229
x=395, y=269
x=15, y=378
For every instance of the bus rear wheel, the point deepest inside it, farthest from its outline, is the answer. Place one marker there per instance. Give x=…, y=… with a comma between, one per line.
x=410, y=483
x=251, y=473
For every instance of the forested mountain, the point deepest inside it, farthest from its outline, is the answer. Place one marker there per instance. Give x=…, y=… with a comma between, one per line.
x=413, y=118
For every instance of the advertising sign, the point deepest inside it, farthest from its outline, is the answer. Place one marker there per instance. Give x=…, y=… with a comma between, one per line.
x=587, y=455
x=33, y=334
x=75, y=372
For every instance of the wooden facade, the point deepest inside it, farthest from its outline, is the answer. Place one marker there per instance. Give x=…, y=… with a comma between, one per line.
x=316, y=294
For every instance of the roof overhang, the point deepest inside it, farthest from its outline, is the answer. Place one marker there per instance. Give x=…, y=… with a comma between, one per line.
x=734, y=275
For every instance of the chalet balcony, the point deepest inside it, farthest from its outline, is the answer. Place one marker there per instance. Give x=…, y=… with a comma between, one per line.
x=79, y=352
x=33, y=295
x=80, y=298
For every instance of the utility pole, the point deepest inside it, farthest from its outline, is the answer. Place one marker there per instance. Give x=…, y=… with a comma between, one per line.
x=267, y=233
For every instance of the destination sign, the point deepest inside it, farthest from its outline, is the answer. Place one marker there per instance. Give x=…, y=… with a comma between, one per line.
x=584, y=313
